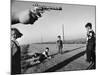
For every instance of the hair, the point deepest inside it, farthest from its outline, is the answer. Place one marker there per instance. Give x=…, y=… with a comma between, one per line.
x=88, y=25
x=59, y=36
x=47, y=48
x=17, y=32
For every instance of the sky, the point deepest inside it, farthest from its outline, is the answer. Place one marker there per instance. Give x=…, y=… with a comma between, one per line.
x=49, y=26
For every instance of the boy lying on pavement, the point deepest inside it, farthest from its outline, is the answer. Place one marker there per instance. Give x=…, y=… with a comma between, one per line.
x=39, y=57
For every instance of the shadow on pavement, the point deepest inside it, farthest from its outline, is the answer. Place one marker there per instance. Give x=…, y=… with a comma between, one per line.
x=72, y=49
x=67, y=51
x=65, y=62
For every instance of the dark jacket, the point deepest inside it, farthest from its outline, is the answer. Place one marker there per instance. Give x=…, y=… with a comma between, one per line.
x=59, y=43
x=15, y=58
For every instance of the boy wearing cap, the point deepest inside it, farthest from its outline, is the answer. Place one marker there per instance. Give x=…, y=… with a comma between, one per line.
x=90, y=47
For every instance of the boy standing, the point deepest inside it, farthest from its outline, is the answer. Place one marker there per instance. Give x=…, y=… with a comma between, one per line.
x=15, y=52
x=59, y=44
x=90, y=48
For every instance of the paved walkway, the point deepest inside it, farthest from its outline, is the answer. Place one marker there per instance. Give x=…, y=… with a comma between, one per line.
x=70, y=60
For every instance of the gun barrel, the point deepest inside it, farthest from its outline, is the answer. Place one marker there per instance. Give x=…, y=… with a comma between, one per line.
x=52, y=8
x=43, y=7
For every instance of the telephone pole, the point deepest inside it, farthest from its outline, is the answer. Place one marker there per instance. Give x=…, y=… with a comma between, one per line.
x=63, y=32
